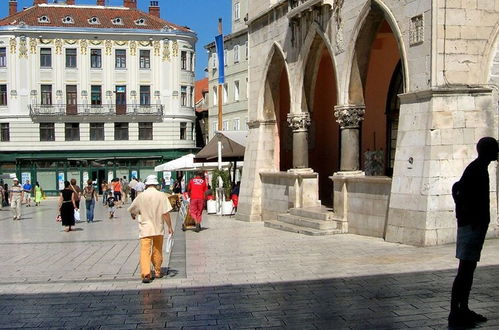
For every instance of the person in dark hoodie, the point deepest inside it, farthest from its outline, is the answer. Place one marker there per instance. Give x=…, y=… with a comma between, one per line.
x=471, y=195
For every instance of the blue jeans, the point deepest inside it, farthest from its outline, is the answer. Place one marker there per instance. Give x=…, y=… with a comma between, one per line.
x=90, y=210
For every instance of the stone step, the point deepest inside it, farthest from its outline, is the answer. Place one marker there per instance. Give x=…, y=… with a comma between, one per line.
x=300, y=230
x=307, y=222
x=319, y=213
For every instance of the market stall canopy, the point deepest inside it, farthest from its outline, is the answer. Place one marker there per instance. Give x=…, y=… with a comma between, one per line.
x=233, y=147
x=186, y=163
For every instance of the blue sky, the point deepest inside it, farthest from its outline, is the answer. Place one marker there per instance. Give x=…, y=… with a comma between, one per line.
x=200, y=15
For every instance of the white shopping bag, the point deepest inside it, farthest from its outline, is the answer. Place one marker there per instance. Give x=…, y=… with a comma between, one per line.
x=169, y=243
x=77, y=215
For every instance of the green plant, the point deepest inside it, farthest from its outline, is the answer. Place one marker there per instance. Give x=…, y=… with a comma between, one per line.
x=225, y=175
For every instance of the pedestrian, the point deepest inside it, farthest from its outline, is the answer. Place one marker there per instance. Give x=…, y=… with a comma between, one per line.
x=471, y=195
x=105, y=189
x=6, y=194
x=197, y=188
x=2, y=195
x=111, y=208
x=15, y=198
x=38, y=194
x=152, y=209
x=77, y=191
x=67, y=206
x=132, y=185
x=90, y=196
x=125, y=189
x=139, y=188
x=27, y=193
x=117, y=191
x=177, y=187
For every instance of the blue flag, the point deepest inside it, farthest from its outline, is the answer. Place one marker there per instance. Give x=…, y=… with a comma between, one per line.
x=219, y=41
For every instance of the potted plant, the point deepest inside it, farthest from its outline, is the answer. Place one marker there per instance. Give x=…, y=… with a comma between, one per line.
x=225, y=205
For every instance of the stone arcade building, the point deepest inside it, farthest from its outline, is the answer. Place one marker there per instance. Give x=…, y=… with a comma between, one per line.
x=371, y=107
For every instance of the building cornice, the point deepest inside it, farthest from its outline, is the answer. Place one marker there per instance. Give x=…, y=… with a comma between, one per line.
x=229, y=37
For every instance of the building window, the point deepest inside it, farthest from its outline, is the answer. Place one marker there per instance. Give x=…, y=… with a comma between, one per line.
x=226, y=93
x=96, y=95
x=237, y=124
x=72, y=131
x=46, y=95
x=93, y=20
x=3, y=94
x=145, y=131
x=145, y=95
x=190, y=97
x=183, y=131
x=183, y=96
x=225, y=57
x=121, y=131
x=68, y=20
x=145, y=59
x=4, y=132
x=236, y=90
x=215, y=95
x=45, y=57
x=120, y=62
x=237, y=11
x=183, y=60
x=225, y=125
x=96, y=131
x=236, y=54
x=191, y=61
x=47, y=132
x=95, y=58
x=71, y=58
x=214, y=128
x=246, y=50
x=3, y=57
x=214, y=59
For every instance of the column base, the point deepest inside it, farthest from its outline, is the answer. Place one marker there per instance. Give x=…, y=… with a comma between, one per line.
x=348, y=173
x=300, y=170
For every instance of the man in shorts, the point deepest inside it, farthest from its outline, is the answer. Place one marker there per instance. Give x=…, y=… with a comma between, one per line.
x=471, y=195
x=27, y=193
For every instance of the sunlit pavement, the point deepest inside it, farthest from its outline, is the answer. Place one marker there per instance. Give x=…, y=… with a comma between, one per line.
x=230, y=275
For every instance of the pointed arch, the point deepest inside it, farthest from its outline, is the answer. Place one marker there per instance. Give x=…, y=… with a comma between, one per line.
x=489, y=54
x=369, y=19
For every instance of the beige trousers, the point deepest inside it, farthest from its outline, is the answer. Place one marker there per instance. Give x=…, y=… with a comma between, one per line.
x=151, y=250
x=16, y=207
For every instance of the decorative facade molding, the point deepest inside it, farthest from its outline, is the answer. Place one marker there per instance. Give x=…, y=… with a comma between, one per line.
x=32, y=45
x=109, y=47
x=156, y=45
x=58, y=46
x=133, y=48
x=299, y=122
x=166, y=51
x=257, y=123
x=175, y=49
x=23, y=48
x=349, y=116
x=13, y=45
x=83, y=46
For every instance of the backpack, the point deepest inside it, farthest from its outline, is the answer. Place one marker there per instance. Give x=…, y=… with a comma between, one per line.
x=457, y=193
x=88, y=194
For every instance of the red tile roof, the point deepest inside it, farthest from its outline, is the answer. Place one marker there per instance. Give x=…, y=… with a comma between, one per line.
x=81, y=14
x=200, y=87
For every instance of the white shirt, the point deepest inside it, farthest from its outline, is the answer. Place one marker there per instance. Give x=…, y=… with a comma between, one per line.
x=150, y=207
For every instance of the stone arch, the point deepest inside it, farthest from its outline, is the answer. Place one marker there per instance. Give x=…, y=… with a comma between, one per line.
x=378, y=74
x=370, y=17
x=319, y=97
x=491, y=54
x=276, y=106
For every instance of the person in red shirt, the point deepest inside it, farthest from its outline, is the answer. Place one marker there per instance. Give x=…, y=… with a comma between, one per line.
x=196, y=188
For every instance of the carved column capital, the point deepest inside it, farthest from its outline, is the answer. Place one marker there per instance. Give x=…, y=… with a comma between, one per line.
x=349, y=116
x=299, y=122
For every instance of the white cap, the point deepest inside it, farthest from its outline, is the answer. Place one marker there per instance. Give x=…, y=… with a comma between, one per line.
x=151, y=180
x=15, y=179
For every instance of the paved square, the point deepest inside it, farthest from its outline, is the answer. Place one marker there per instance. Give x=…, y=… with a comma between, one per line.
x=231, y=275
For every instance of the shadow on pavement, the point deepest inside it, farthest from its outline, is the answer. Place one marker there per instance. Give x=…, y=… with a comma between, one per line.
x=389, y=301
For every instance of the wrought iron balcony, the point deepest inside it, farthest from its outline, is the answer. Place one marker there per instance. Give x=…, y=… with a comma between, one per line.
x=93, y=113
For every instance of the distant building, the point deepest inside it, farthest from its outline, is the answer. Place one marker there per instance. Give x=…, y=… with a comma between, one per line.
x=93, y=91
x=201, y=99
x=235, y=89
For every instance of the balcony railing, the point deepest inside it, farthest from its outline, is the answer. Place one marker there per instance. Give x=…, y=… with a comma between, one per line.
x=88, y=112
x=297, y=7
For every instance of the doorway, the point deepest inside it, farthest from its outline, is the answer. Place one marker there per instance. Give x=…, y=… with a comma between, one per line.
x=71, y=100
x=120, y=100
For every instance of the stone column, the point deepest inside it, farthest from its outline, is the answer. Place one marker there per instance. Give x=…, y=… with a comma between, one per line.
x=299, y=123
x=349, y=117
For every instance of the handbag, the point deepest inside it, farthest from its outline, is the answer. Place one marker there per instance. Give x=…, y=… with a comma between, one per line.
x=77, y=215
x=169, y=243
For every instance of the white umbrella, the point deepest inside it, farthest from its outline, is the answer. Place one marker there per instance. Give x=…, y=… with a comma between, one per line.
x=183, y=162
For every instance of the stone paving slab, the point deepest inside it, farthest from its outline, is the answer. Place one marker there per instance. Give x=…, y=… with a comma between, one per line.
x=232, y=275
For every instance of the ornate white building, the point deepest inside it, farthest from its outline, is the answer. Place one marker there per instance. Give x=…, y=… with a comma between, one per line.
x=370, y=107
x=93, y=91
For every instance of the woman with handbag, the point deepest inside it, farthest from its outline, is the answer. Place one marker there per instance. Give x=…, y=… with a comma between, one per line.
x=67, y=206
x=90, y=197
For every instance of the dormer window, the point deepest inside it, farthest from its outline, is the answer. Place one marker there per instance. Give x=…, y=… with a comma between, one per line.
x=93, y=20
x=140, y=21
x=43, y=19
x=68, y=20
x=117, y=21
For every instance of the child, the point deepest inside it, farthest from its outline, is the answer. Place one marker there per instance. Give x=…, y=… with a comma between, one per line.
x=110, y=206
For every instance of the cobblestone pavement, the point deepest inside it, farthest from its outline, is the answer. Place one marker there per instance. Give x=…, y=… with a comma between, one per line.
x=231, y=275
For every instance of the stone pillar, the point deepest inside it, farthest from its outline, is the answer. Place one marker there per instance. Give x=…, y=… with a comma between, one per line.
x=299, y=123
x=349, y=117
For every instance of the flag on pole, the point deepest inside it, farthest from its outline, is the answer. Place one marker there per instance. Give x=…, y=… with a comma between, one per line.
x=219, y=41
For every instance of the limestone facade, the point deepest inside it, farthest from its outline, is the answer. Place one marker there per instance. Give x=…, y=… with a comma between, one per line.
x=419, y=77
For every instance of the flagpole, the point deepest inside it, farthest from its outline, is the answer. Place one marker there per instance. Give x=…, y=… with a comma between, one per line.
x=220, y=99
